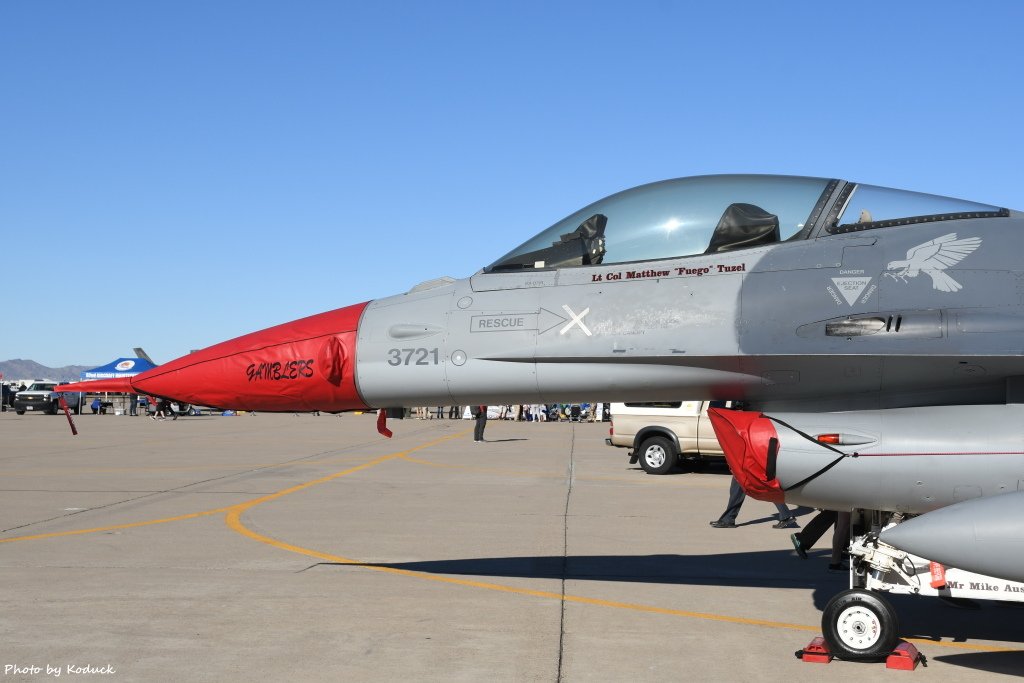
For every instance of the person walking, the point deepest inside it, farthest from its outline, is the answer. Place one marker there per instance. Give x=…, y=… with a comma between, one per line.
x=727, y=520
x=805, y=539
x=480, y=413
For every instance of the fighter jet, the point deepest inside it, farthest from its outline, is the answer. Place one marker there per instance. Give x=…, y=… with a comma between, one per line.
x=795, y=295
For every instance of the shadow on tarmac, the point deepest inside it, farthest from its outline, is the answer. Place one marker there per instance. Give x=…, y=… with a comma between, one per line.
x=775, y=569
x=1010, y=663
x=923, y=618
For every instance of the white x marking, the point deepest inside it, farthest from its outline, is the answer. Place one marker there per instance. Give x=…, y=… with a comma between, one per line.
x=576, y=320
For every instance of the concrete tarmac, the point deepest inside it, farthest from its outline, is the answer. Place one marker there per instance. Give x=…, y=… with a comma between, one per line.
x=308, y=548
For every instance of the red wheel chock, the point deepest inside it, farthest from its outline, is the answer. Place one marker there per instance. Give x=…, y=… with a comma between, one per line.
x=905, y=657
x=816, y=652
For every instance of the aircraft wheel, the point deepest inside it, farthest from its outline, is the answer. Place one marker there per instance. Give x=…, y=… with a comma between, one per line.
x=657, y=455
x=859, y=624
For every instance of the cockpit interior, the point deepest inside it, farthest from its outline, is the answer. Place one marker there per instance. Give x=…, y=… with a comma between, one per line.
x=724, y=213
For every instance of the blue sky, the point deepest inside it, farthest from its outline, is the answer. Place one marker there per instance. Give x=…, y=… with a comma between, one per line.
x=173, y=174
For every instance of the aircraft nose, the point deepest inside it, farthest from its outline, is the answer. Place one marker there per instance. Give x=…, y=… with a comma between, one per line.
x=751, y=446
x=303, y=365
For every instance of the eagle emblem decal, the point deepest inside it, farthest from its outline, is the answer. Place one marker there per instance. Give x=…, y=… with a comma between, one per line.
x=932, y=258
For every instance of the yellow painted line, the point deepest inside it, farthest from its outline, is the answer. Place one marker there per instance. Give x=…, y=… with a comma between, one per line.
x=233, y=519
x=241, y=507
x=962, y=646
x=132, y=525
x=204, y=513
x=235, y=523
x=183, y=468
x=235, y=511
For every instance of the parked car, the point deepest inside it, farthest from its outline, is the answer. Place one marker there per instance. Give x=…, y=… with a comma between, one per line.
x=40, y=397
x=661, y=435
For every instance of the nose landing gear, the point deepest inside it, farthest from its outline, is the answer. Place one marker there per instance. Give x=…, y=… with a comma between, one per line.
x=859, y=624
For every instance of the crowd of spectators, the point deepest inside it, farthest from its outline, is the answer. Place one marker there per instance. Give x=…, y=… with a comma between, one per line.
x=536, y=412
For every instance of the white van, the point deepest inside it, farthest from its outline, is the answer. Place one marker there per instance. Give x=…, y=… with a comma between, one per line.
x=660, y=435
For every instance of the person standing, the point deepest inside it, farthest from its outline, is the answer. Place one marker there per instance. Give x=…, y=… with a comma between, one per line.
x=480, y=413
x=840, y=543
x=133, y=405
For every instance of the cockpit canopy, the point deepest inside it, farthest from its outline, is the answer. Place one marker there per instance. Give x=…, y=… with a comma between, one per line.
x=713, y=214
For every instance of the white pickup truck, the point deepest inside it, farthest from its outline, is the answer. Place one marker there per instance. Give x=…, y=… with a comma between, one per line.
x=664, y=434
x=40, y=397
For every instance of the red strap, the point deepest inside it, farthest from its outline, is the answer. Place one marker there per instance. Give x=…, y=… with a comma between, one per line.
x=64, y=405
x=382, y=423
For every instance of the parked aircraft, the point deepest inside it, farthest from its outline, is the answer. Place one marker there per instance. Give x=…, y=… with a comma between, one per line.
x=796, y=295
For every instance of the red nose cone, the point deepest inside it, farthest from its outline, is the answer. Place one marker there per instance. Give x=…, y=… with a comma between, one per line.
x=745, y=436
x=304, y=365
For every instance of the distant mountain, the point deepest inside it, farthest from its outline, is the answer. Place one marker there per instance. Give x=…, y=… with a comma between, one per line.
x=29, y=369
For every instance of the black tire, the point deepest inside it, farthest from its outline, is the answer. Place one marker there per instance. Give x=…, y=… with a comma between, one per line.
x=658, y=455
x=859, y=624
x=55, y=408
x=20, y=412
x=690, y=464
x=698, y=464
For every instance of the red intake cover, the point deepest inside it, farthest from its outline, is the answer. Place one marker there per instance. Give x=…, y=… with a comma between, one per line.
x=744, y=436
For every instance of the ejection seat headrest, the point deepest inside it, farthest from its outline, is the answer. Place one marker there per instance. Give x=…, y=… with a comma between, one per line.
x=744, y=225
